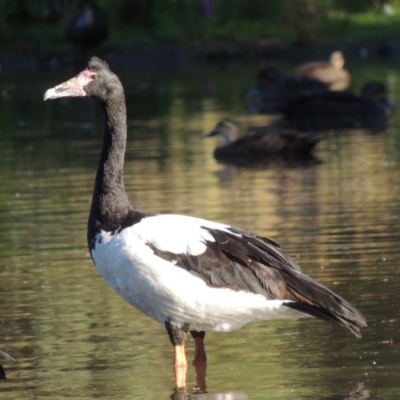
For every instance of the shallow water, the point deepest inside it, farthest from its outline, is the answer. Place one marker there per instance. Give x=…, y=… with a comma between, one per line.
x=72, y=336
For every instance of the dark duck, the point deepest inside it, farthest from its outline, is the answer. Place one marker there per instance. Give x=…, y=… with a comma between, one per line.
x=273, y=90
x=265, y=144
x=88, y=27
x=189, y=274
x=341, y=110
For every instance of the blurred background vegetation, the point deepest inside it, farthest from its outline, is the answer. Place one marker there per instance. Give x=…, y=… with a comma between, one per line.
x=206, y=21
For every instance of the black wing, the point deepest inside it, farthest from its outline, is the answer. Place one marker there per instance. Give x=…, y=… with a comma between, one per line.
x=242, y=261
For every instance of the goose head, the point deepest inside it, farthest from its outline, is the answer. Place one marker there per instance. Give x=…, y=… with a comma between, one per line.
x=97, y=80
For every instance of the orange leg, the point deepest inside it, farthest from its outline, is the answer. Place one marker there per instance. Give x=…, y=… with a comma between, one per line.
x=179, y=356
x=180, y=366
x=177, y=335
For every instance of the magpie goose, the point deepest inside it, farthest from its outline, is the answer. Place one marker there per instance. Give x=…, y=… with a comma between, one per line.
x=267, y=143
x=189, y=274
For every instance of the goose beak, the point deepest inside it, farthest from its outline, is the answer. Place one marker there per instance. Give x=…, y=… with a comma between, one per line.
x=74, y=87
x=70, y=88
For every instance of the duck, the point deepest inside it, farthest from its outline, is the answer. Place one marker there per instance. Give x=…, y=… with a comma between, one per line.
x=273, y=90
x=189, y=274
x=341, y=110
x=88, y=27
x=330, y=72
x=265, y=143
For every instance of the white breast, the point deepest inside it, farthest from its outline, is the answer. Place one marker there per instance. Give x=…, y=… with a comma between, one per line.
x=162, y=290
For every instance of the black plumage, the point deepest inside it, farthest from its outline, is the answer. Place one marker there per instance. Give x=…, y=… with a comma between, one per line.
x=239, y=260
x=88, y=27
x=273, y=90
x=341, y=110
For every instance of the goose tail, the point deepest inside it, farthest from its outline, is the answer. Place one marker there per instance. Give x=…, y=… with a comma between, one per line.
x=318, y=301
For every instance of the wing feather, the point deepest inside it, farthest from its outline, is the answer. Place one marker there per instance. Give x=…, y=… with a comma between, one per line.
x=229, y=257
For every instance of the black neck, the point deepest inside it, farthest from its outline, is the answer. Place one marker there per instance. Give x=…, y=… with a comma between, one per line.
x=110, y=206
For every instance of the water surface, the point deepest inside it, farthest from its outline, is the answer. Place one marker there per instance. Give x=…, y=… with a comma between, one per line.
x=73, y=337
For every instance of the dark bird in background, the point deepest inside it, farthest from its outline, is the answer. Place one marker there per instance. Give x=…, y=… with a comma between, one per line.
x=330, y=72
x=88, y=27
x=265, y=143
x=2, y=373
x=273, y=90
x=341, y=110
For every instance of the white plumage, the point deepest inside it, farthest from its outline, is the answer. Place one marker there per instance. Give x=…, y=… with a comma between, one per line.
x=164, y=291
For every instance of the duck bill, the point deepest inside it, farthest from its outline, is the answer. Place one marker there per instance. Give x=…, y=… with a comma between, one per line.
x=389, y=104
x=214, y=132
x=74, y=87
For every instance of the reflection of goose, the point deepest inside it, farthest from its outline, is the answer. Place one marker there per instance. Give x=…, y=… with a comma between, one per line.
x=187, y=273
x=341, y=110
x=263, y=144
x=273, y=90
x=330, y=72
x=88, y=26
x=199, y=395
